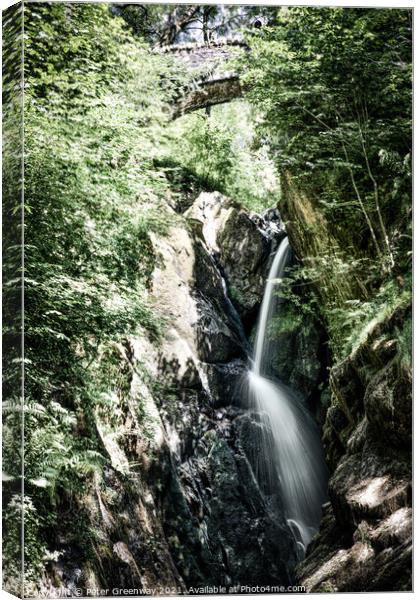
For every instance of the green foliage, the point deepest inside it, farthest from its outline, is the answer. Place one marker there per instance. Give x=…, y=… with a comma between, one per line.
x=348, y=321
x=351, y=324
x=95, y=102
x=18, y=509
x=13, y=502
x=236, y=295
x=317, y=71
x=335, y=89
x=333, y=86
x=288, y=321
x=221, y=150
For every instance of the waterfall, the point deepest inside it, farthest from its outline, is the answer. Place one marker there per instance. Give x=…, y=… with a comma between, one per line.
x=292, y=451
x=269, y=304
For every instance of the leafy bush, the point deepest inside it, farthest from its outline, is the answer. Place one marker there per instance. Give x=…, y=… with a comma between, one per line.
x=222, y=151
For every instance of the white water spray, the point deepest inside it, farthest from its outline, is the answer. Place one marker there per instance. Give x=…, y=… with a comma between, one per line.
x=293, y=455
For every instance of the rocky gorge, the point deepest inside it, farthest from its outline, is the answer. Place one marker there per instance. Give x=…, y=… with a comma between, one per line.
x=181, y=504
x=214, y=381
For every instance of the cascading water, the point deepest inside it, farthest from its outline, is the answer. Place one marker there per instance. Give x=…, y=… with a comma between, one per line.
x=292, y=450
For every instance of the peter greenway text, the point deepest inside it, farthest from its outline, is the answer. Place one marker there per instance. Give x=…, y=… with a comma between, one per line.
x=199, y=590
x=163, y=591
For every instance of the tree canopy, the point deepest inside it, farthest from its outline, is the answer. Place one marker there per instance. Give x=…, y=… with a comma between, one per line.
x=334, y=89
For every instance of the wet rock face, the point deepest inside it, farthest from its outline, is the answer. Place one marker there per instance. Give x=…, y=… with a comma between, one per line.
x=219, y=525
x=299, y=358
x=365, y=540
x=242, y=244
x=226, y=516
x=388, y=404
x=244, y=250
x=228, y=383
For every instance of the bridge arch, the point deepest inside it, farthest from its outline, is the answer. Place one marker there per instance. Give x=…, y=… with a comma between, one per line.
x=213, y=84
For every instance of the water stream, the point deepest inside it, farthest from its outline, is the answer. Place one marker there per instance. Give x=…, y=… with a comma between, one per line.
x=290, y=441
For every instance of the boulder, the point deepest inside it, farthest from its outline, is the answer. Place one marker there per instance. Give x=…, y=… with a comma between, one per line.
x=244, y=253
x=388, y=404
x=241, y=243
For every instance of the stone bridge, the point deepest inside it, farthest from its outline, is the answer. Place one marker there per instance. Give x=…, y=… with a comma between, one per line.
x=213, y=82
